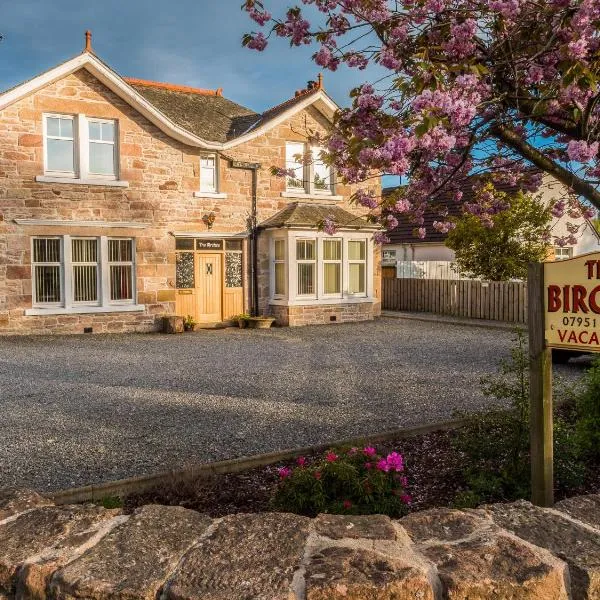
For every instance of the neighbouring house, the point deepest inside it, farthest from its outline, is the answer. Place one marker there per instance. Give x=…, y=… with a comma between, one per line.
x=405, y=247
x=123, y=200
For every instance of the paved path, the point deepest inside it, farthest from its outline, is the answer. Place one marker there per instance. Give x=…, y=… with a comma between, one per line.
x=76, y=410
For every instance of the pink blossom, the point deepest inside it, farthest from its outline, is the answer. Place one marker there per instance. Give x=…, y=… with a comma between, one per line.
x=382, y=465
x=347, y=504
x=581, y=151
x=369, y=451
x=329, y=226
x=331, y=457
x=257, y=42
x=284, y=472
x=301, y=461
x=317, y=474
x=406, y=499
x=368, y=466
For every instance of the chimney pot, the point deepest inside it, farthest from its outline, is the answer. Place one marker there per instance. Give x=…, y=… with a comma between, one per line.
x=88, y=41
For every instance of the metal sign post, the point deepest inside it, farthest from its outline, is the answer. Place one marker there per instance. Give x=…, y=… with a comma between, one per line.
x=563, y=312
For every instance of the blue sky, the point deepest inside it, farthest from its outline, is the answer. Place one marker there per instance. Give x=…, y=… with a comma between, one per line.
x=189, y=42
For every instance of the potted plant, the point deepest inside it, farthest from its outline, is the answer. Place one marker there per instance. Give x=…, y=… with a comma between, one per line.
x=261, y=322
x=242, y=320
x=189, y=323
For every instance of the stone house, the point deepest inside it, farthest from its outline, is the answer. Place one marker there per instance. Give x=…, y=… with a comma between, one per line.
x=123, y=200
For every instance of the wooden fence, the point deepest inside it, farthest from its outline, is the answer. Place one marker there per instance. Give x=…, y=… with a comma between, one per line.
x=495, y=301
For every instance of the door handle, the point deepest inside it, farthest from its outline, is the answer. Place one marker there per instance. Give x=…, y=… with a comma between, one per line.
x=209, y=269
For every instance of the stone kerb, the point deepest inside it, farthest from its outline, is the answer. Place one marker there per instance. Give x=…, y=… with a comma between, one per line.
x=504, y=551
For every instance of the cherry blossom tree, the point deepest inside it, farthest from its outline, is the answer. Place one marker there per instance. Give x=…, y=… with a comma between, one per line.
x=507, y=89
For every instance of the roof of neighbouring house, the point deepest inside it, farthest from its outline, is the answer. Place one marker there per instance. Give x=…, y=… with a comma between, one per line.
x=404, y=233
x=305, y=214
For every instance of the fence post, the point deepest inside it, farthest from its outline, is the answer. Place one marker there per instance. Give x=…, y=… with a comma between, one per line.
x=540, y=393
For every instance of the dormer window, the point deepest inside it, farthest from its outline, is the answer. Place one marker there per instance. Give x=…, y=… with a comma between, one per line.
x=310, y=174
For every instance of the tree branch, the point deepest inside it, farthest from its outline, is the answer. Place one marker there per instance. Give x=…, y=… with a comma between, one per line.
x=512, y=139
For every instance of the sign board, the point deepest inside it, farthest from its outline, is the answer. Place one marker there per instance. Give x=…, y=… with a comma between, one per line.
x=572, y=303
x=209, y=244
x=238, y=164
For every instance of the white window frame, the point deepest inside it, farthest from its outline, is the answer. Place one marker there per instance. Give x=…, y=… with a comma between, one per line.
x=68, y=304
x=304, y=261
x=97, y=264
x=67, y=174
x=355, y=261
x=292, y=298
x=308, y=173
x=81, y=149
x=215, y=170
x=558, y=252
x=132, y=263
x=339, y=261
x=114, y=143
x=277, y=261
x=59, y=264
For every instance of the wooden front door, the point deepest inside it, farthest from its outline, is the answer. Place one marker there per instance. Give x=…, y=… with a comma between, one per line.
x=209, y=286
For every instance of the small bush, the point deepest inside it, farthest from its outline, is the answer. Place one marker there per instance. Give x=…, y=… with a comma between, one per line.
x=496, y=444
x=349, y=481
x=111, y=502
x=587, y=432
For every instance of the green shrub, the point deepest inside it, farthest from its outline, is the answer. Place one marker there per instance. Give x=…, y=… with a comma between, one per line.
x=495, y=444
x=587, y=433
x=353, y=481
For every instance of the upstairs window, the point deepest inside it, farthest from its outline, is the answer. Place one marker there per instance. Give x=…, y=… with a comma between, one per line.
x=562, y=253
x=308, y=173
x=102, y=147
x=208, y=173
x=79, y=147
x=60, y=145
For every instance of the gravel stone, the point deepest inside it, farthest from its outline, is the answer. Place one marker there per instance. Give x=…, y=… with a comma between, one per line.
x=79, y=410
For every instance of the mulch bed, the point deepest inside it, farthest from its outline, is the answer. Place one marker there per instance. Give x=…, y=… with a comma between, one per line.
x=434, y=469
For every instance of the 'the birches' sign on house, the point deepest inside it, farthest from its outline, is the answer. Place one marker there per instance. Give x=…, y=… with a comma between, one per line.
x=572, y=303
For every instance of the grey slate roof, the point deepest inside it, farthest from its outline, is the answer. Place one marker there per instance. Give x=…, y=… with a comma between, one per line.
x=305, y=214
x=210, y=117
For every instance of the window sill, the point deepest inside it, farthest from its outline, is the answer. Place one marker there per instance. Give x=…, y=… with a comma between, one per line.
x=306, y=196
x=210, y=195
x=79, y=310
x=78, y=181
x=322, y=301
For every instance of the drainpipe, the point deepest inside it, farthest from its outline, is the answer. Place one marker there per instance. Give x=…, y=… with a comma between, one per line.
x=254, y=167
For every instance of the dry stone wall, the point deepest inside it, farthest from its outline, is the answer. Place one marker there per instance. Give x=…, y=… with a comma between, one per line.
x=501, y=552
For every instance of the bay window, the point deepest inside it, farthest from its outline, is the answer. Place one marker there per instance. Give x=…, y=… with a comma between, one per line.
x=332, y=266
x=307, y=173
x=83, y=274
x=316, y=268
x=357, y=267
x=306, y=258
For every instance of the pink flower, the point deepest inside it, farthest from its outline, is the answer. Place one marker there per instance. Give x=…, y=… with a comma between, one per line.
x=284, y=472
x=368, y=466
x=406, y=499
x=347, y=504
x=331, y=457
x=581, y=151
x=352, y=451
x=395, y=462
x=382, y=465
x=317, y=474
x=301, y=461
x=369, y=451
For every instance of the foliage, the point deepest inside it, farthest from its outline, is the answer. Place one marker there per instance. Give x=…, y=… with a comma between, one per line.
x=461, y=87
x=587, y=434
x=352, y=481
x=189, y=323
x=502, y=249
x=495, y=444
x=242, y=317
x=111, y=502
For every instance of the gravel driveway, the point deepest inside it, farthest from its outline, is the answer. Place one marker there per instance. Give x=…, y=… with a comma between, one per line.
x=77, y=410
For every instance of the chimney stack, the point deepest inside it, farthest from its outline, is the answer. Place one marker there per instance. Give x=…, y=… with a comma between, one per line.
x=88, y=41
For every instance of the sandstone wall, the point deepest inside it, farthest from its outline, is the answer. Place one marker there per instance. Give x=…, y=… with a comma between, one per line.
x=501, y=552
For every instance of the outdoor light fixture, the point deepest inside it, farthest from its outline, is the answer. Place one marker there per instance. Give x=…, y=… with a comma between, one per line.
x=209, y=219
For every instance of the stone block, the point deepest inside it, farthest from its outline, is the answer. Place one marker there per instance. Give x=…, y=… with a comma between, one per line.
x=373, y=527
x=576, y=544
x=583, y=508
x=37, y=543
x=13, y=502
x=172, y=324
x=166, y=295
x=477, y=560
x=246, y=557
x=135, y=558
